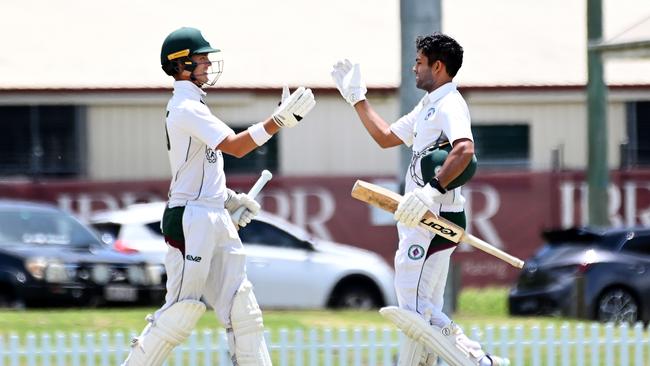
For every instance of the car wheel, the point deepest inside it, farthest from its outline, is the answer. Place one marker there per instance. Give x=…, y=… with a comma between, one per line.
x=9, y=300
x=93, y=301
x=5, y=301
x=355, y=297
x=617, y=305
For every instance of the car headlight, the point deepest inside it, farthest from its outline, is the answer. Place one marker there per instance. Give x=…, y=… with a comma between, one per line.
x=56, y=272
x=136, y=275
x=154, y=274
x=50, y=270
x=36, y=267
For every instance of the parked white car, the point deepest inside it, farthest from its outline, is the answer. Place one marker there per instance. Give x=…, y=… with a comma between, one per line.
x=288, y=267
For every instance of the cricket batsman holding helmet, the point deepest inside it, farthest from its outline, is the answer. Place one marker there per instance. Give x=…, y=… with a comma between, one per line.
x=441, y=120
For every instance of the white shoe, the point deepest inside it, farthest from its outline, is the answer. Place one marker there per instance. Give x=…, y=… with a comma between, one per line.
x=473, y=346
x=498, y=361
x=461, y=338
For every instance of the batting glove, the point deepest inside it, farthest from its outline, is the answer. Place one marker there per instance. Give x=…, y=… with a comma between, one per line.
x=414, y=205
x=237, y=200
x=347, y=77
x=293, y=107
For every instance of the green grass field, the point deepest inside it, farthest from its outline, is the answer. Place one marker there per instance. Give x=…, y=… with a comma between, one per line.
x=475, y=308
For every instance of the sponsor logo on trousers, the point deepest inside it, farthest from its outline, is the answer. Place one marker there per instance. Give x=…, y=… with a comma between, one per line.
x=192, y=258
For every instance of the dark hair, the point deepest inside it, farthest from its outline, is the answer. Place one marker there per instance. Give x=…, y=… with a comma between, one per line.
x=173, y=67
x=441, y=47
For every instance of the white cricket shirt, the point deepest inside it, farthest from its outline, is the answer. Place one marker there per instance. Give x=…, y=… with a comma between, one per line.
x=440, y=116
x=193, y=134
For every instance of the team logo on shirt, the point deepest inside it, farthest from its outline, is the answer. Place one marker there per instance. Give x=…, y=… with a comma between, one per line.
x=416, y=252
x=210, y=155
x=430, y=113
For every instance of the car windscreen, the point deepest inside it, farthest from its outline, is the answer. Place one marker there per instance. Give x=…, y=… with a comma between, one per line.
x=637, y=244
x=45, y=228
x=262, y=233
x=577, y=237
x=154, y=227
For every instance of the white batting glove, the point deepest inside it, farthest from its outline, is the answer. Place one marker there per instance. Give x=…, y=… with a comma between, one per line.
x=414, y=205
x=293, y=107
x=237, y=200
x=347, y=77
x=285, y=94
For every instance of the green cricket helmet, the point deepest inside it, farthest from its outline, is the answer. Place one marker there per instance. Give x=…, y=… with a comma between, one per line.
x=432, y=160
x=180, y=45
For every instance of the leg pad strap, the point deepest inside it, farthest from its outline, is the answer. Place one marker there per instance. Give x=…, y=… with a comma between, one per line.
x=160, y=336
x=441, y=341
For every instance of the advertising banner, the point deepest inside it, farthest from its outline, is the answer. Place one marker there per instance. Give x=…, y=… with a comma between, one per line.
x=507, y=210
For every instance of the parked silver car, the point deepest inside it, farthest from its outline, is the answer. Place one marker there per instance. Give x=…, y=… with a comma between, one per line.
x=288, y=267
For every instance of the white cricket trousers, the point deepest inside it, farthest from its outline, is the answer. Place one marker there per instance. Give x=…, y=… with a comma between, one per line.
x=213, y=264
x=420, y=280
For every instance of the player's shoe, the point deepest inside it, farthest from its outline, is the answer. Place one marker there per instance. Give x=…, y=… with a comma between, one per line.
x=474, y=347
x=455, y=332
x=498, y=361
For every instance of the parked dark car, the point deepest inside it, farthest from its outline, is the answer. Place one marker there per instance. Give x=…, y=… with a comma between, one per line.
x=48, y=257
x=588, y=273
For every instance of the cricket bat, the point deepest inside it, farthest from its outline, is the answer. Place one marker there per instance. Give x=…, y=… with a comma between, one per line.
x=264, y=178
x=388, y=200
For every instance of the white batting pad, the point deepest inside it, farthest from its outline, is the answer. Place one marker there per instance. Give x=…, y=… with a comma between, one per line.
x=412, y=353
x=159, y=337
x=441, y=341
x=248, y=329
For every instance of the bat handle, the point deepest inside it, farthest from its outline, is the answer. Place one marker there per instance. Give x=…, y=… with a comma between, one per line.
x=480, y=244
x=255, y=190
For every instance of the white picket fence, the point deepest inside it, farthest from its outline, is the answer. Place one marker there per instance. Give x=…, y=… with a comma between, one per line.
x=593, y=344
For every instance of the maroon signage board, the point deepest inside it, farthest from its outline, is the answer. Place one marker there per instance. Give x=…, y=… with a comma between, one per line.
x=508, y=210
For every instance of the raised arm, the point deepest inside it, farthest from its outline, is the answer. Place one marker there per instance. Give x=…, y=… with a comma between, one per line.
x=238, y=145
x=376, y=126
x=292, y=109
x=347, y=78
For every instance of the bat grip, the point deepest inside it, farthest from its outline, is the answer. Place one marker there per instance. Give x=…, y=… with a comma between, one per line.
x=480, y=244
x=254, y=191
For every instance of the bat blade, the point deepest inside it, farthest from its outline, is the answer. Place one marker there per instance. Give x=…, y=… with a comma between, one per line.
x=388, y=200
x=375, y=195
